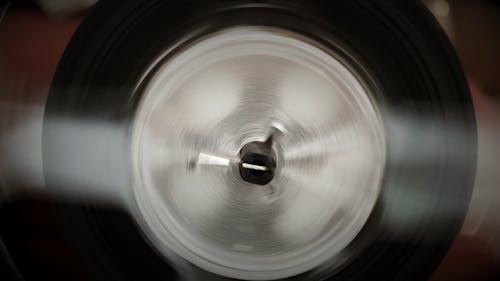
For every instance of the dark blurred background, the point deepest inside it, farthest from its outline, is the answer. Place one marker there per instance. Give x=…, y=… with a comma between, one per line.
x=474, y=28
x=33, y=35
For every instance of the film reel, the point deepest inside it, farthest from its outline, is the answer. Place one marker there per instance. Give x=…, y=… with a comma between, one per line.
x=194, y=134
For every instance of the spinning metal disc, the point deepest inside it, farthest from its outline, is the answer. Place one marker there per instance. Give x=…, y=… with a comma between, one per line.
x=256, y=153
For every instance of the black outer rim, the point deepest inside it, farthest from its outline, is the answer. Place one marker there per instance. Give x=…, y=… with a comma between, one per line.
x=405, y=51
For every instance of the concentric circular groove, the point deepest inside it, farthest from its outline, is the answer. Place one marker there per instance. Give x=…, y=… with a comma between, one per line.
x=239, y=86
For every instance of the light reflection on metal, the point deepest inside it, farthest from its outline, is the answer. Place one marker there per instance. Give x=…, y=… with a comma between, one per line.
x=278, y=89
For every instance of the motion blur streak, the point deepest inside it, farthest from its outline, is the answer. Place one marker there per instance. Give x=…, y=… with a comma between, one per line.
x=22, y=170
x=22, y=166
x=20, y=147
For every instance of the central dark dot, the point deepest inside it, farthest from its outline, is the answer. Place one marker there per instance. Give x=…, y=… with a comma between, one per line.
x=257, y=164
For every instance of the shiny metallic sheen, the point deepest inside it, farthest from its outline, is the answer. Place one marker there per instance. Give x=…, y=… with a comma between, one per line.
x=243, y=85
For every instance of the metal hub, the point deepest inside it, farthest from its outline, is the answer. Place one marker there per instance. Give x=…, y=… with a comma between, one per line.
x=257, y=163
x=256, y=154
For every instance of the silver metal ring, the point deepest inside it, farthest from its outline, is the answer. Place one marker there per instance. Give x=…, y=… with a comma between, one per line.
x=273, y=87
